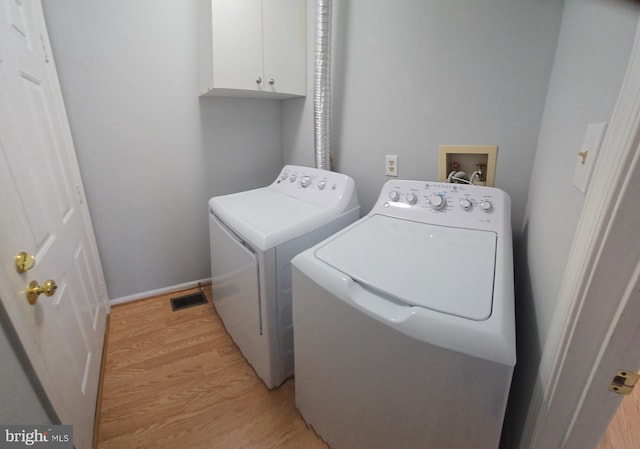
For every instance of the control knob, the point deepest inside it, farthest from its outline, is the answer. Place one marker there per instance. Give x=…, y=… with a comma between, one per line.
x=283, y=176
x=437, y=202
x=305, y=181
x=486, y=205
x=394, y=195
x=292, y=178
x=322, y=184
x=465, y=204
x=412, y=198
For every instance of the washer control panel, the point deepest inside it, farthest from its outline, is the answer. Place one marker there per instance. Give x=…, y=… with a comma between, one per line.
x=322, y=187
x=445, y=203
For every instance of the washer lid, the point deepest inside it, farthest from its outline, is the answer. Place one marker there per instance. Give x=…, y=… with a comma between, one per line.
x=267, y=218
x=449, y=270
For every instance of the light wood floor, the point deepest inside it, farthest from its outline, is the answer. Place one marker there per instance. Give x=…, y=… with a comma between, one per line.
x=624, y=430
x=176, y=380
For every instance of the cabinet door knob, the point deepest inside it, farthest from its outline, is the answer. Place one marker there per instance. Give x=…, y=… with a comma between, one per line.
x=272, y=81
x=258, y=80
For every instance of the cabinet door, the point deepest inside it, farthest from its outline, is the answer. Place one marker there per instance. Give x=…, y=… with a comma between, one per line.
x=284, y=24
x=237, y=44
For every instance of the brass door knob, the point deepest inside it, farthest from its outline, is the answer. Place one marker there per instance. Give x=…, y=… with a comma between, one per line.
x=34, y=290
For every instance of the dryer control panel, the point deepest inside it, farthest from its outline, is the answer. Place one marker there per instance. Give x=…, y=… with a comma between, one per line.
x=447, y=204
x=325, y=188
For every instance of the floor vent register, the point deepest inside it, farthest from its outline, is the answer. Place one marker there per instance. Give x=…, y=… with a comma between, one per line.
x=184, y=302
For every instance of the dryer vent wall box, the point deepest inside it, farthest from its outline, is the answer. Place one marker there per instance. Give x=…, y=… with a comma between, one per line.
x=420, y=289
x=252, y=48
x=254, y=235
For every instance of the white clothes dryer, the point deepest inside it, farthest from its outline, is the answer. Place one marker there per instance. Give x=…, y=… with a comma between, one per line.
x=404, y=328
x=254, y=235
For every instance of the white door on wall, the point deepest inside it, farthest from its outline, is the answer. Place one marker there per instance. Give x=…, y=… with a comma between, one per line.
x=43, y=213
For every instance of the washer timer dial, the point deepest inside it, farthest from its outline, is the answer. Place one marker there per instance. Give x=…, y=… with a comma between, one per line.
x=437, y=202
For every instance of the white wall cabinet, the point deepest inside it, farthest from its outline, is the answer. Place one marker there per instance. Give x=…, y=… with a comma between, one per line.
x=252, y=48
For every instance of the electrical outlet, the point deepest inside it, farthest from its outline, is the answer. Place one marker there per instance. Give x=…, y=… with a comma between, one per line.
x=391, y=165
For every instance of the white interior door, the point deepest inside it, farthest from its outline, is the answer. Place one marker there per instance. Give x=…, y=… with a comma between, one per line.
x=43, y=213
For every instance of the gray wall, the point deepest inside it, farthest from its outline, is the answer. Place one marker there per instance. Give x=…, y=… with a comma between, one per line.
x=408, y=77
x=593, y=50
x=151, y=153
x=20, y=403
x=594, y=45
x=415, y=74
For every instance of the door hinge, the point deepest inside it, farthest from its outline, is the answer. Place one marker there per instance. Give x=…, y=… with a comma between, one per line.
x=79, y=192
x=624, y=381
x=45, y=50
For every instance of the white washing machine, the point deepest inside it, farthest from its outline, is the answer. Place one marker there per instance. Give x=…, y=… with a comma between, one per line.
x=404, y=322
x=254, y=235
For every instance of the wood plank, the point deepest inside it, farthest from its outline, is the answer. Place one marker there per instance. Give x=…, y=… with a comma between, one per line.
x=177, y=380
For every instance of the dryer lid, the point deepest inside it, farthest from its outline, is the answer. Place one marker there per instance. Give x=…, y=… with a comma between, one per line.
x=267, y=218
x=449, y=270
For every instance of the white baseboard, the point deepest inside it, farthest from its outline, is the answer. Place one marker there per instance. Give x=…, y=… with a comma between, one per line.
x=160, y=291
